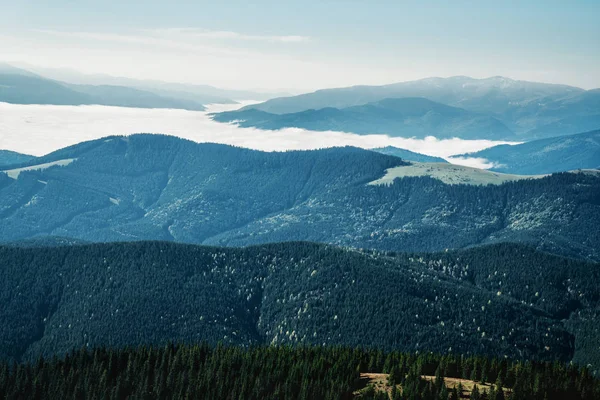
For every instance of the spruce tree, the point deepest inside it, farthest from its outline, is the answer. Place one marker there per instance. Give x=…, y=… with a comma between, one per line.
x=454, y=394
x=475, y=395
x=443, y=393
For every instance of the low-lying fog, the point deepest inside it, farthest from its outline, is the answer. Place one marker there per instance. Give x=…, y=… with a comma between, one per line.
x=40, y=129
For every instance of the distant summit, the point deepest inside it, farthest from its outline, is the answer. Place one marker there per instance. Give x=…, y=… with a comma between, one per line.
x=405, y=117
x=527, y=110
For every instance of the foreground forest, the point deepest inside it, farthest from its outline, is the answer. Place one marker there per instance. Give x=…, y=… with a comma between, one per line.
x=280, y=373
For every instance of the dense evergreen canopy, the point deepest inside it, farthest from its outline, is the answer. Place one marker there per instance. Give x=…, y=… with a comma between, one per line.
x=280, y=373
x=501, y=300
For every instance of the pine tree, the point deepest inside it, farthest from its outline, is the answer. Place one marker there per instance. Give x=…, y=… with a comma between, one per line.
x=391, y=381
x=439, y=379
x=475, y=372
x=460, y=389
x=443, y=393
x=484, y=373
x=475, y=393
x=454, y=394
x=499, y=389
x=394, y=392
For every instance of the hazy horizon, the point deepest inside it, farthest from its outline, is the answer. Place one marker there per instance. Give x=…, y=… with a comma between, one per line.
x=79, y=77
x=304, y=47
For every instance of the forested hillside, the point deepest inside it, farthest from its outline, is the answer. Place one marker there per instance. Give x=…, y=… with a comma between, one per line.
x=545, y=156
x=8, y=157
x=408, y=155
x=281, y=373
x=145, y=187
x=503, y=300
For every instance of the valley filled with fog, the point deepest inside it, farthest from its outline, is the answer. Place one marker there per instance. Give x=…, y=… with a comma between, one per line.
x=40, y=129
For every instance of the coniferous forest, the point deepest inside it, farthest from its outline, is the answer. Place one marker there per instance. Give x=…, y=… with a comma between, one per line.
x=295, y=321
x=252, y=201
x=280, y=372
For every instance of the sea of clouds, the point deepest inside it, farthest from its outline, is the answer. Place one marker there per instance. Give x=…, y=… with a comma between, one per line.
x=40, y=129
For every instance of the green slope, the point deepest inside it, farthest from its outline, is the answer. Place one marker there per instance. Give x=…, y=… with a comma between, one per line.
x=563, y=153
x=145, y=187
x=503, y=300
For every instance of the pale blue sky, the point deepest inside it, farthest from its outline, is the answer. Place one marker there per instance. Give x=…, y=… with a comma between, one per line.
x=310, y=44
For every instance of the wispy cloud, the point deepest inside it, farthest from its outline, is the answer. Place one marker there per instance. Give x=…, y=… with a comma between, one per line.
x=220, y=58
x=184, y=39
x=476, y=162
x=196, y=33
x=145, y=39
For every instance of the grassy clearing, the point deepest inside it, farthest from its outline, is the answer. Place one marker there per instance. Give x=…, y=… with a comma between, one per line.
x=14, y=173
x=379, y=383
x=450, y=173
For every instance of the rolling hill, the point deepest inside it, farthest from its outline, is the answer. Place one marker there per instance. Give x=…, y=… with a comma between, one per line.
x=545, y=156
x=22, y=89
x=406, y=117
x=27, y=89
x=501, y=300
x=408, y=155
x=8, y=157
x=152, y=187
x=122, y=96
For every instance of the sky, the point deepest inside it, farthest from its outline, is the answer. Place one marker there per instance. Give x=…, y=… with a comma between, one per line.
x=301, y=46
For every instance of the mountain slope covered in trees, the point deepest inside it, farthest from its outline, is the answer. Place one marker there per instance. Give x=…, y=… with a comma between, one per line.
x=408, y=155
x=282, y=373
x=545, y=156
x=145, y=187
x=8, y=157
x=501, y=300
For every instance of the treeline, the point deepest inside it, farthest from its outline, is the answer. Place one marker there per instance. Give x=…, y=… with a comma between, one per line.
x=279, y=373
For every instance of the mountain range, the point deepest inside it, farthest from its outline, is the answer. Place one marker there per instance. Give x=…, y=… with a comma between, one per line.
x=406, y=117
x=25, y=89
x=152, y=187
x=528, y=110
x=205, y=94
x=503, y=300
x=495, y=108
x=20, y=86
x=545, y=156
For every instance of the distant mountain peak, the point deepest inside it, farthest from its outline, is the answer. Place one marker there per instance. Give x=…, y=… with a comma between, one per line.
x=12, y=70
